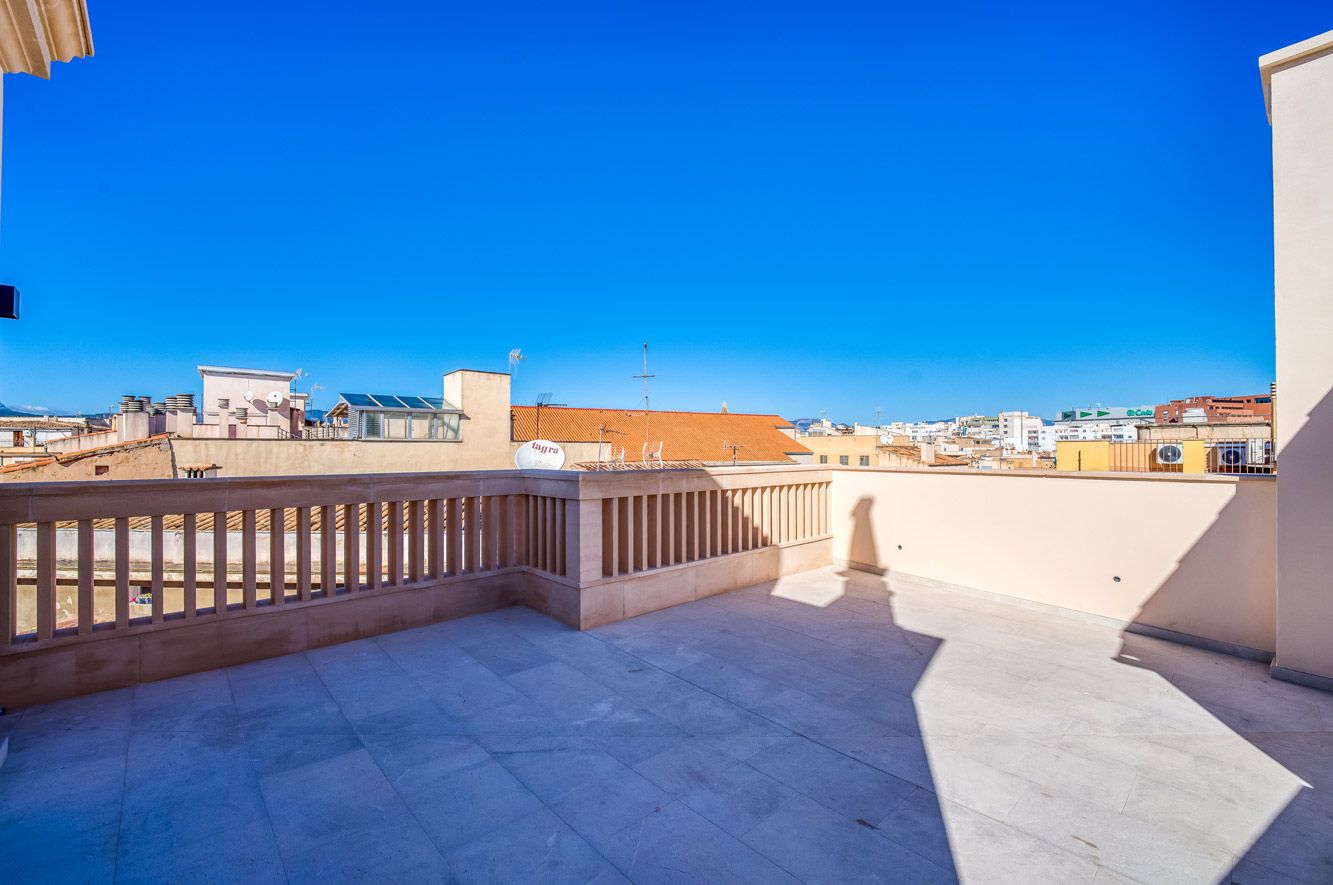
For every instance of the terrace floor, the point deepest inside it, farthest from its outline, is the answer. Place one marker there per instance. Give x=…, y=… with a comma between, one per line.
x=830, y=727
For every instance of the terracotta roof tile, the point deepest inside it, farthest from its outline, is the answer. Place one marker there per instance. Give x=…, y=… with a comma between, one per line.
x=685, y=436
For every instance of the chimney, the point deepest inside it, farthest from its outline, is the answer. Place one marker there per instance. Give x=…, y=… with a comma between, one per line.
x=927, y=452
x=133, y=421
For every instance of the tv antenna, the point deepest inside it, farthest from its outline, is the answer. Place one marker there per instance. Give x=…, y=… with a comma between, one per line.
x=515, y=357
x=604, y=430
x=734, y=448
x=543, y=400
x=647, y=409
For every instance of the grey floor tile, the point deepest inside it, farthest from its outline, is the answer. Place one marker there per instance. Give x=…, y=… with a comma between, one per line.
x=818, y=845
x=298, y=737
x=418, y=741
x=538, y=847
x=727, y=792
x=508, y=654
x=247, y=853
x=461, y=806
x=551, y=773
x=343, y=799
x=843, y=784
x=653, y=849
x=388, y=852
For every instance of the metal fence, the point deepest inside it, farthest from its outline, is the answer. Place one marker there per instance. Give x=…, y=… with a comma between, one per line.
x=1230, y=456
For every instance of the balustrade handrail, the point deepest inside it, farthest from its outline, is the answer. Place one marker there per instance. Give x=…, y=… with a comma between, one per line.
x=365, y=532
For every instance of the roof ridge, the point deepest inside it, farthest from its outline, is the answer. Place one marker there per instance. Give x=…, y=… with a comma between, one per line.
x=654, y=411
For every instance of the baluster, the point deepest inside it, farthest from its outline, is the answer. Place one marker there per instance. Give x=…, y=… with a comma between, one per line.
x=157, y=586
x=504, y=531
x=471, y=537
x=394, y=552
x=435, y=517
x=303, y=553
x=453, y=528
x=416, y=540
x=9, y=583
x=122, y=570
x=608, y=537
x=625, y=532
x=85, y=556
x=352, y=547
x=641, y=533
x=558, y=540
x=277, y=556
x=219, y=564
x=653, y=553
x=328, y=550
x=375, y=545
x=486, y=527
x=249, y=558
x=46, y=580
x=189, y=579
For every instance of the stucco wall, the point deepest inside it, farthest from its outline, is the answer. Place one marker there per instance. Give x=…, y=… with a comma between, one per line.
x=150, y=459
x=1194, y=555
x=1302, y=116
x=263, y=457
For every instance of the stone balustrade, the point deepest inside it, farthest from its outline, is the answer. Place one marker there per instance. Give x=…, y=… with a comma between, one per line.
x=108, y=584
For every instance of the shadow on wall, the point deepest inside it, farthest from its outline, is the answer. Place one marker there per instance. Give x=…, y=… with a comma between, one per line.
x=1290, y=724
x=879, y=726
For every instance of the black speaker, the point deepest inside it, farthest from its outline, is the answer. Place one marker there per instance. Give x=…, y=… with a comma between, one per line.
x=9, y=303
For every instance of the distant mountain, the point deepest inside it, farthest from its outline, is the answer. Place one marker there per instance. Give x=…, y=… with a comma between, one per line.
x=7, y=412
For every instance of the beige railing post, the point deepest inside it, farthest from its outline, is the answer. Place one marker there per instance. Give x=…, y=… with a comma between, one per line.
x=583, y=540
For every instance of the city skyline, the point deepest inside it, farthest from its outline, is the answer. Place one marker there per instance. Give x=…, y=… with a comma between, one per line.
x=791, y=214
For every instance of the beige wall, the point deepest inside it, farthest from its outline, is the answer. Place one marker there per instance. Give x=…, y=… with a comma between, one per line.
x=151, y=459
x=484, y=399
x=271, y=457
x=1300, y=81
x=1194, y=554
x=843, y=444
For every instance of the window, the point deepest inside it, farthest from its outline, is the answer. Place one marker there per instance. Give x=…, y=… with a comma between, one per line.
x=842, y=459
x=865, y=460
x=101, y=470
x=823, y=459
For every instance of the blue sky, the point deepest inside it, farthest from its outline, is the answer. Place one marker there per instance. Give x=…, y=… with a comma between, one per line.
x=930, y=209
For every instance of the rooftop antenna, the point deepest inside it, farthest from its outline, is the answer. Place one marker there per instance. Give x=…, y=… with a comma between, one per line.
x=515, y=357
x=543, y=399
x=646, y=407
x=734, y=447
x=601, y=430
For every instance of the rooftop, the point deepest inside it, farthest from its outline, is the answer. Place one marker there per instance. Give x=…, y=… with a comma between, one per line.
x=827, y=726
x=685, y=436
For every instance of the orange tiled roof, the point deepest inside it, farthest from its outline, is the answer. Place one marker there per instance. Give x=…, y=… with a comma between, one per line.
x=685, y=436
x=914, y=452
x=63, y=457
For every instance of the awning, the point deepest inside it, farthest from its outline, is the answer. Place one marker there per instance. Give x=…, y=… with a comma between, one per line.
x=34, y=33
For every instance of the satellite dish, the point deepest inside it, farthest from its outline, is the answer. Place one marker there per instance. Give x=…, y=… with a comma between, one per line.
x=274, y=399
x=249, y=396
x=539, y=454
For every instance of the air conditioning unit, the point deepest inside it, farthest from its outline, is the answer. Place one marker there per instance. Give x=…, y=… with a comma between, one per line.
x=1170, y=453
x=1229, y=457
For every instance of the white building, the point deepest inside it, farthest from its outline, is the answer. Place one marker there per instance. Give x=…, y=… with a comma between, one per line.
x=1020, y=430
x=1089, y=431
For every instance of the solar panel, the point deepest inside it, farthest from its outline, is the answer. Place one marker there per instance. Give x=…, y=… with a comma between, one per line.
x=389, y=401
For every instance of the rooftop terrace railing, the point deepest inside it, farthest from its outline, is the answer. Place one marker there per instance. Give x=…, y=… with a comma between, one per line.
x=111, y=583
